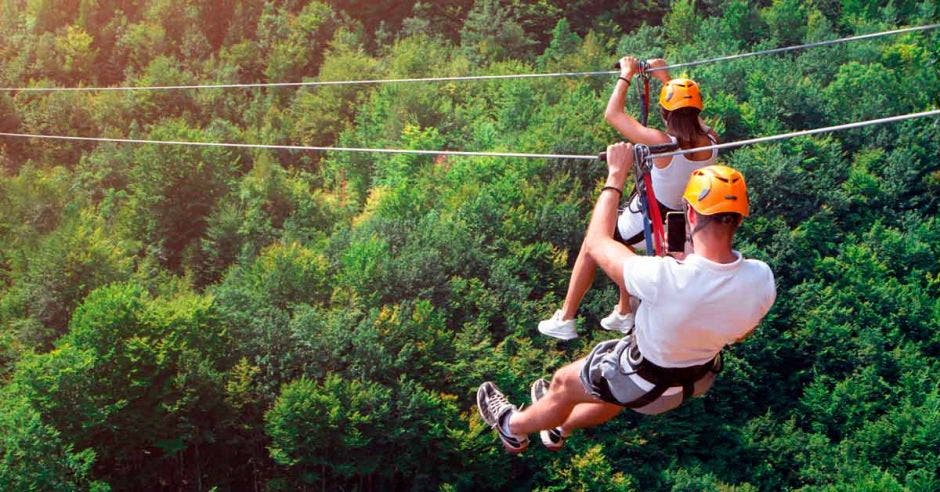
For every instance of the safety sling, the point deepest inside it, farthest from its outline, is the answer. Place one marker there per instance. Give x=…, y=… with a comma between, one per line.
x=643, y=164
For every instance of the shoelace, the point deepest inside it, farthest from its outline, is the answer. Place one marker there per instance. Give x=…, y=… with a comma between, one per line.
x=496, y=401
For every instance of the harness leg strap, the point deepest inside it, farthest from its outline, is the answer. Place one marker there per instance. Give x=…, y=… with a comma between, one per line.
x=650, y=396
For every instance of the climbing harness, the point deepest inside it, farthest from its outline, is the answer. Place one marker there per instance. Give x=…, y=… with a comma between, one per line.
x=663, y=378
x=625, y=355
x=649, y=207
x=642, y=164
x=643, y=183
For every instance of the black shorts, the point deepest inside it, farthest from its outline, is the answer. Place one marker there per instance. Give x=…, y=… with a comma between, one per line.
x=640, y=236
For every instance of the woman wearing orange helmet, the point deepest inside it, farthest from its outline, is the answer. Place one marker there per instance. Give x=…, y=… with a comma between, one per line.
x=680, y=104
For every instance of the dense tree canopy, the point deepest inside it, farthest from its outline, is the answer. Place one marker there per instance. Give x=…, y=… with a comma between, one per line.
x=189, y=318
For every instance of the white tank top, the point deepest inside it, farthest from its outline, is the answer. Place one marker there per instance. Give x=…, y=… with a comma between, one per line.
x=669, y=182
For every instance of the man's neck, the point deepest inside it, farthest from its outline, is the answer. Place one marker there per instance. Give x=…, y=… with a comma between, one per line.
x=714, y=249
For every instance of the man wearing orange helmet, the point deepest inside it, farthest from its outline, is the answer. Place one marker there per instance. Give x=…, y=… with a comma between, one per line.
x=680, y=106
x=690, y=311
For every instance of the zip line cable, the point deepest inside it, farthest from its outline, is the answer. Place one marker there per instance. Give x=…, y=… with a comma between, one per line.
x=302, y=147
x=801, y=133
x=798, y=47
x=302, y=84
x=465, y=78
x=728, y=145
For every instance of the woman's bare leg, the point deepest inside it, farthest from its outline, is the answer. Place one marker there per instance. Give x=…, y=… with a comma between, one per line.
x=623, y=306
x=582, y=276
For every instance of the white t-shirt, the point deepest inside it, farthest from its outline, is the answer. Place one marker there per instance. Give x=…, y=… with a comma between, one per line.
x=693, y=308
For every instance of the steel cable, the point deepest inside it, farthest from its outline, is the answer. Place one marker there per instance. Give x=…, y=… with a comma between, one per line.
x=464, y=78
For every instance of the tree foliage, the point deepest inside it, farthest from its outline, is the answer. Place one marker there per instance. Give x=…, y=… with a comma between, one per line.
x=196, y=318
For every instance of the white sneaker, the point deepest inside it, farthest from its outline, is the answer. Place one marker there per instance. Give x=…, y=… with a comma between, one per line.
x=618, y=322
x=558, y=328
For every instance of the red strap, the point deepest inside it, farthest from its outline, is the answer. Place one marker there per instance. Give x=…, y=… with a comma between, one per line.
x=652, y=208
x=652, y=205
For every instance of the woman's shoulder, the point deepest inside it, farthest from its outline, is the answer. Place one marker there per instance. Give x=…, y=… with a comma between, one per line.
x=656, y=136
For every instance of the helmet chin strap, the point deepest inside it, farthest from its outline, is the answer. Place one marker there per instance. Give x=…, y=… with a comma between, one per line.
x=689, y=232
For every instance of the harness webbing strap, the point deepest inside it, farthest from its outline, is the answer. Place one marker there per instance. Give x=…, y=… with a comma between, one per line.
x=644, y=96
x=654, y=216
x=652, y=219
x=649, y=397
x=649, y=206
x=644, y=188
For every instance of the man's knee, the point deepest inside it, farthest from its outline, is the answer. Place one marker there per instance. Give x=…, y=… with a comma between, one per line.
x=568, y=378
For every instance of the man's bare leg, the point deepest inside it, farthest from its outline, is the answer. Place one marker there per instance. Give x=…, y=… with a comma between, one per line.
x=589, y=415
x=565, y=392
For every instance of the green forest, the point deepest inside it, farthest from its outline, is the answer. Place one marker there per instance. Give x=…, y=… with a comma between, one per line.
x=185, y=318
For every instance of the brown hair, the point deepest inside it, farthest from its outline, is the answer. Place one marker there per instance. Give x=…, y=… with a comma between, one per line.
x=730, y=221
x=684, y=124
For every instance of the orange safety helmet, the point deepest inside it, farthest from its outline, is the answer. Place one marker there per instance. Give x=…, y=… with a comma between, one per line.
x=716, y=189
x=680, y=93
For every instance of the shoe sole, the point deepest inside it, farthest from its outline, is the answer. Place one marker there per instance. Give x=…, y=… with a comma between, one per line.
x=544, y=435
x=549, y=444
x=618, y=330
x=555, y=335
x=624, y=330
x=481, y=398
x=513, y=450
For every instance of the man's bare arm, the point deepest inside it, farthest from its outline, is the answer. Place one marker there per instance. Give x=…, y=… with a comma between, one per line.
x=603, y=249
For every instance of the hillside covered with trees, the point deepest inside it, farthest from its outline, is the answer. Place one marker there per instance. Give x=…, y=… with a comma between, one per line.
x=249, y=319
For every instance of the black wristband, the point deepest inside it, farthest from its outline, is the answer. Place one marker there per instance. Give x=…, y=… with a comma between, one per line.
x=624, y=79
x=618, y=190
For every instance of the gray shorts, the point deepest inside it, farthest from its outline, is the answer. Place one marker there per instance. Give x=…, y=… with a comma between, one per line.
x=607, y=374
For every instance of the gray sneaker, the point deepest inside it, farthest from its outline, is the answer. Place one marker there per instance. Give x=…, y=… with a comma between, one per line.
x=494, y=407
x=551, y=438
